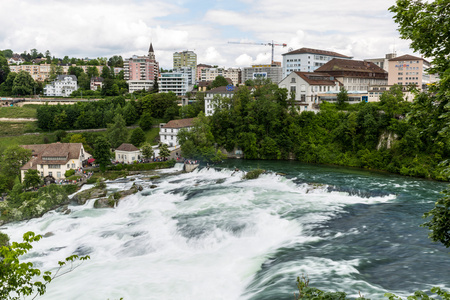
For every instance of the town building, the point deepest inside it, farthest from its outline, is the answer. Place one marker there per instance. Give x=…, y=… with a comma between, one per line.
x=307, y=87
x=375, y=93
x=55, y=159
x=215, y=97
x=200, y=67
x=168, y=131
x=96, y=83
x=355, y=75
x=189, y=72
x=408, y=70
x=272, y=72
x=42, y=72
x=141, y=68
x=185, y=59
x=307, y=60
x=177, y=83
x=382, y=62
x=127, y=153
x=209, y=74
x=62, y=86
x=16, y=59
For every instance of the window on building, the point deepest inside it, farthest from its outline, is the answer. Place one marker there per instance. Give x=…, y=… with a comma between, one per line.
x=303, y=97
x=50, y=173
x=58, y=174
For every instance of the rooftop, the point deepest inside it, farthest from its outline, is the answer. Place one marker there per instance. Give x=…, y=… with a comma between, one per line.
x=317, y=51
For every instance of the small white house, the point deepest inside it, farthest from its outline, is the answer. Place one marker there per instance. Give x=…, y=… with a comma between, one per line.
x=62, y=86
x=127, y=153
x=168, y=131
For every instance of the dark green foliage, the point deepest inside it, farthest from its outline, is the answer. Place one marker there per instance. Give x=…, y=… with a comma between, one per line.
x=117, y=132
x=137, y=137
x=219, y=81
x=69, y=173
x=253, y=174
x=102, y=152
x=164, y=150
x=439, y=224
x=32, y=178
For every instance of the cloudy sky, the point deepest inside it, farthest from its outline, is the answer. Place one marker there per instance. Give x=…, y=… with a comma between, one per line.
x=103, y=28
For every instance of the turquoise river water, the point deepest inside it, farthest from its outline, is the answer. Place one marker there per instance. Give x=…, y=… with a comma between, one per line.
x=211, y=235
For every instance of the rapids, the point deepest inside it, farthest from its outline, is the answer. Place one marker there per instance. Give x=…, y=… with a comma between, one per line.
x=211, y=235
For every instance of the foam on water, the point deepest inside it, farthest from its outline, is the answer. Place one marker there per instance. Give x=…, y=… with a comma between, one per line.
x=199, y=235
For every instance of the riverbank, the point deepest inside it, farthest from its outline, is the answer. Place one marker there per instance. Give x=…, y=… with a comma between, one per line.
x=26, y=205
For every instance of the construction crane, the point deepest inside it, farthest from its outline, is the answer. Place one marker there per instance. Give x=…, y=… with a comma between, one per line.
x=264, y=44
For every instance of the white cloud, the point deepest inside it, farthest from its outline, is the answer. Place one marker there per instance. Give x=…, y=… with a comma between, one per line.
x=88, y=28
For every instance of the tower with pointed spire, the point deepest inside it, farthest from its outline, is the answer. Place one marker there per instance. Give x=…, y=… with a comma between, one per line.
x=141, y=71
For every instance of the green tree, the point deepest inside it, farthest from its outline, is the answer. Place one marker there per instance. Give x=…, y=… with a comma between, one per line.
x=219, y=81
x=342, y=97
x=23, y=84
x=129, y=113
x=32, y=178
x=19, y=279
x=146, y=121
x=102, y=152
x=439, y=224
x=84, y=82
x=164, y=150
x=392, y=102
x=117, y=132
x=137, y=137
x=147, y=151
x=13, y=158
x=4, y=68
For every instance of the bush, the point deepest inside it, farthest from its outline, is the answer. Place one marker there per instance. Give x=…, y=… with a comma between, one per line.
x=69, y=173
x=253, y=174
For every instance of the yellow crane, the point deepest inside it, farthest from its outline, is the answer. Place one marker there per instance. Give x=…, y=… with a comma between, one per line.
x=264, y=44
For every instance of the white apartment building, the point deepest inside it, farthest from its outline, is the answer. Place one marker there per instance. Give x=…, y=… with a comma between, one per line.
x=168, y=131
x=177, y=83
x=189, y=72
x=214, y=96
x=139, y=85
x=62, y=86
x=209, y=74
x=307, y=60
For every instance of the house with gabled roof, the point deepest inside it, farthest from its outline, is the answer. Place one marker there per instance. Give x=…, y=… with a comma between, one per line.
x=127, y=153
x=306, y=88
x=55, y=159
x=168, y=131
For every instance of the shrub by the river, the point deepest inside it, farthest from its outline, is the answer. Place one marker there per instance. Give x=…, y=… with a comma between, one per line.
x=253, y=174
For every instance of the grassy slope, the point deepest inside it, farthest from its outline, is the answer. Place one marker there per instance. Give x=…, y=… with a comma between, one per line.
x=27, y=111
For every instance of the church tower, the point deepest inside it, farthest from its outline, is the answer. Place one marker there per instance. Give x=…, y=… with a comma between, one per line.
x=151, y=53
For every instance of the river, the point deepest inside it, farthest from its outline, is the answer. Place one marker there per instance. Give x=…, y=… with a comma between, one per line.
x=211, y=235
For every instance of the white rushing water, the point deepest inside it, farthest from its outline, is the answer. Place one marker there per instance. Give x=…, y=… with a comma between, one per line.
x=201, y=235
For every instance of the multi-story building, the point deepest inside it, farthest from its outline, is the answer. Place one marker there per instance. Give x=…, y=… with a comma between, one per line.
x=141, y=68
x=42, y=72
x=62, y=86
x=307, y=60
x=177, y=83
x=185, y=59
x=355, y=75
x=209, y=74
x=410, y=70
x=189, y=72
x=306, y=88
x=96, y=83
x=55, y=159
x=272, y=72
x=200, y=67
x=168, y=131
x=214, y=97
x=382, y=62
